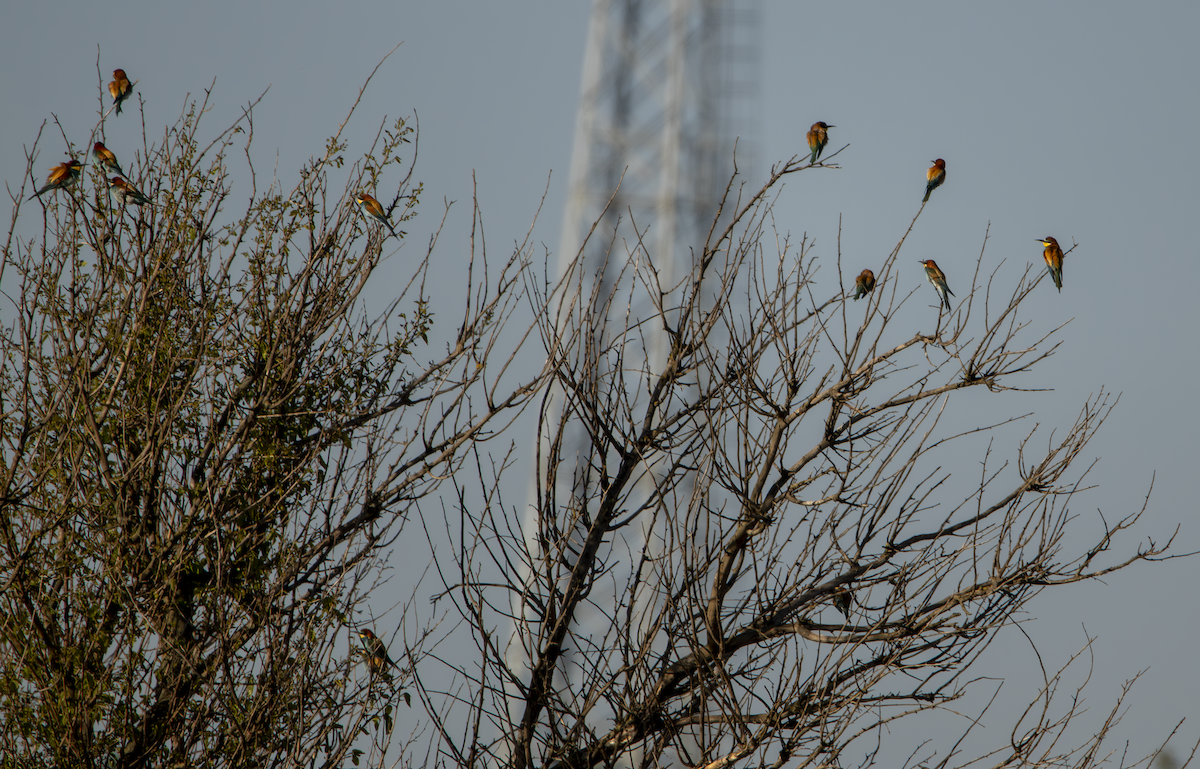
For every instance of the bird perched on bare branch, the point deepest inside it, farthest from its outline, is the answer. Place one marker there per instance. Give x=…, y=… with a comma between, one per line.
x=120, y=88
x=377, y=654
x=374, y=209
x=105, y=157
x=938, y=279
x=1054, y=260
x=934, y=177
x=818, y=137
x=863, y=284
x=124, y=192
x=61, y=176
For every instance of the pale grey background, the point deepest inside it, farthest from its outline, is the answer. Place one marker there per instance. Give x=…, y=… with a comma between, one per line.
x=1074, y=119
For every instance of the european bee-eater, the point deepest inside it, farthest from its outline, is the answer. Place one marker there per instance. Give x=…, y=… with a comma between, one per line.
x=938, y=279
x=934, y=177
x=372, y=208
x=105, y=157
x=124, y=192
x=843, y=601
x=863, y=284
x=818, y=137
x=61, y=176
x=1053, y=256
x=120, y=88
x=377, y=655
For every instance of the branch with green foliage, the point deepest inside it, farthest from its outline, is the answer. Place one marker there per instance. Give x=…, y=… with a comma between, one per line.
x=209, y=442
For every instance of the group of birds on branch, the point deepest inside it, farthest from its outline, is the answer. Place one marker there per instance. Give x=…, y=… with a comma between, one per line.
x=65, y=174
x=818, y=137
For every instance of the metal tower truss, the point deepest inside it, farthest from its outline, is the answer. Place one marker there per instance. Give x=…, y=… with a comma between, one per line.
x=667, y=84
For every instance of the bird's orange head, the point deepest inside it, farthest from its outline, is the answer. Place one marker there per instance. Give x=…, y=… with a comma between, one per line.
x=1048, y=241
x=98, y=147
x=929, y=264
x=366, y=633
x=821, y=125
x=867, y=275
x=939, y=163
x=118, y=74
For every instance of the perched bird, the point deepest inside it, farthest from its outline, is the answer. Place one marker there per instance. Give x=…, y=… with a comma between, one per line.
x=863, y=284
x=105, y=157
x=818, y=137
x=377, y=655
x=938, y=279
x=371, y=207
x=843, y=601
x=61, y=176
x=120, y=88
x=124, y=192
x=934, y=176
x=1053, y=256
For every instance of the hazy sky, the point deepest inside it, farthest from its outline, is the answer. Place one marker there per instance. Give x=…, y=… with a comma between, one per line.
x=1072, y=119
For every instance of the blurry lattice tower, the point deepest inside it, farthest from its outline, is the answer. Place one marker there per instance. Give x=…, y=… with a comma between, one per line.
x=668, y=87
